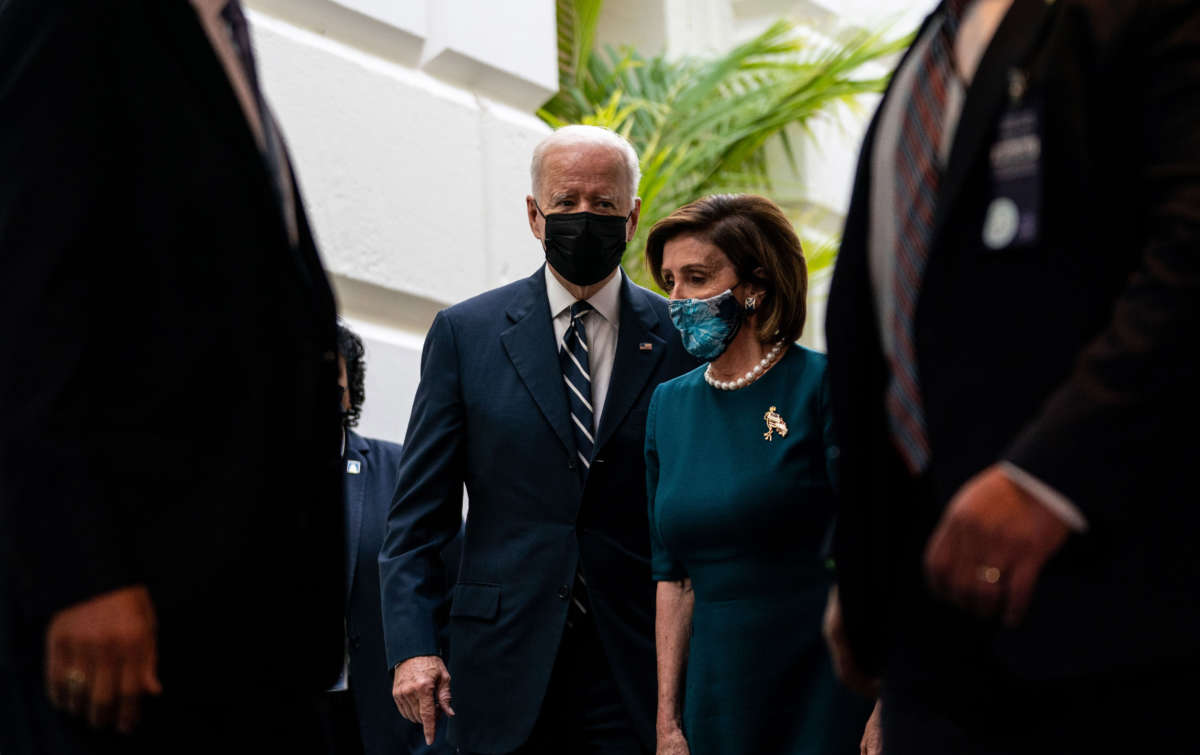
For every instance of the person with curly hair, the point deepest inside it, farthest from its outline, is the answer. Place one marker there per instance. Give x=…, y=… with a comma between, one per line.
x=352, y=375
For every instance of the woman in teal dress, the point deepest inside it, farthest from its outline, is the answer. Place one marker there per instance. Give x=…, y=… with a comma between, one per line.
x=739, y=462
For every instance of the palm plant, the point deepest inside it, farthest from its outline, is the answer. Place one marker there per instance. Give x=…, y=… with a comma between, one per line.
x=701, y=125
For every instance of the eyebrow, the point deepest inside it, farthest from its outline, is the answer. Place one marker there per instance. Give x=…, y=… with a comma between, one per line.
x=692, y=267
x=574, y=194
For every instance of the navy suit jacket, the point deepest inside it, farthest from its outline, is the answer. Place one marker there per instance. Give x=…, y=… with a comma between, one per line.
x=491, y=412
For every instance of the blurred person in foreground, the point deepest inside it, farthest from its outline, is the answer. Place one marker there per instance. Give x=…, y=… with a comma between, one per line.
x=534, y=396
x=740, y=475
x=358, y=713
x=1013, y=328
x=169, y=448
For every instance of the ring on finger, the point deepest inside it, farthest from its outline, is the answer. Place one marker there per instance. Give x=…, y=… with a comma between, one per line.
x=989, y=574
x=75, y=681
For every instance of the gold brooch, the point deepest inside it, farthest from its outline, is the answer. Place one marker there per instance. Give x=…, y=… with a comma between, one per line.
x=775, y=424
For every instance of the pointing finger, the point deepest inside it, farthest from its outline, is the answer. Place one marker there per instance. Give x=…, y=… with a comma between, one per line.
x=428, y=716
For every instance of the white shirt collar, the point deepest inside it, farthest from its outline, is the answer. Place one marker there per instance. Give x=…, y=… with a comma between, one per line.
x=606, y=301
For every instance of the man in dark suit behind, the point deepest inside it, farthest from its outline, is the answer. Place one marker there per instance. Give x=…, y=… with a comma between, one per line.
x=1013, y=329
x=357, y=713
x=535, y=395
x=167, y=322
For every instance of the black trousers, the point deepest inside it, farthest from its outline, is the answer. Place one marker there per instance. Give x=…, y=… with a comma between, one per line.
x=583, y=713
x=1150, y=711
x=339, y=723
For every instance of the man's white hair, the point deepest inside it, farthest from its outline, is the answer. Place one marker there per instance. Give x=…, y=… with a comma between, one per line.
x=575, y=135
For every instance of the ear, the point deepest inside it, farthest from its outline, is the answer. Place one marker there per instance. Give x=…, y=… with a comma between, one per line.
x=758, y=290
x=536, y=223
x=632, y=226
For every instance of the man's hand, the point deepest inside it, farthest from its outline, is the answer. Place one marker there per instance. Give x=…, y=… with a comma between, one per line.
x=420, y=686
x=672, y=743
x=872, y=738
x=988, y=550
x=101, y=657
x=839, y=650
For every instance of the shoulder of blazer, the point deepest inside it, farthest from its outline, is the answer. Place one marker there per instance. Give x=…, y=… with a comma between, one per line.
x=382, y=450
x=79, y=27
x=489, y=307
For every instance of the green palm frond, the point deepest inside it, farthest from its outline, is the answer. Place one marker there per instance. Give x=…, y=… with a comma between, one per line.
x=702, y=125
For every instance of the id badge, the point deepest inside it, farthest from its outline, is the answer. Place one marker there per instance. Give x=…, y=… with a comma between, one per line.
x=1014, y=214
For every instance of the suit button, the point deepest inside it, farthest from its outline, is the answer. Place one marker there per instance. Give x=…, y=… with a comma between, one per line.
x=355, y=644
x=571, y=465
x=564, y=592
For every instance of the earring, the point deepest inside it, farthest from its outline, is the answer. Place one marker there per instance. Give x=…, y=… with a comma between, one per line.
x=751, y=303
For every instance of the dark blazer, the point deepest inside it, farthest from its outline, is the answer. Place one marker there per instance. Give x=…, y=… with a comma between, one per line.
x=491, y=412
x=1074, y=357
x=168, y=400
x=368, y=494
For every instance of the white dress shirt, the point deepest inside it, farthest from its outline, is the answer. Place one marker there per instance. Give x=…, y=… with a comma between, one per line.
x=979, y=25
x=602, y=325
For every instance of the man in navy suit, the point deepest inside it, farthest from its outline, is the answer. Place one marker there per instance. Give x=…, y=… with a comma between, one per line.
x=534, y=396
x=358, y=715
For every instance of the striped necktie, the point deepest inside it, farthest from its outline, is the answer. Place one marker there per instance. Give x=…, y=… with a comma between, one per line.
x=272, y=151
x=918, y=173
x=573, y=358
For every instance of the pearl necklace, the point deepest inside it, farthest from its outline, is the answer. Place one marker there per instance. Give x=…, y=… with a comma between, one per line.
x=749, y=377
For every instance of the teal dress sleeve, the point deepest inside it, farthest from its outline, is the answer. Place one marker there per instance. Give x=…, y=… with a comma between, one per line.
x=664, y=567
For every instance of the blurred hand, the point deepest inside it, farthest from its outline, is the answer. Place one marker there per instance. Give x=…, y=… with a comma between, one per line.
x=839, y=650
x=101, y=657
x=420, y=686
x=990, y=546
x=872, y=739
x=672, y=743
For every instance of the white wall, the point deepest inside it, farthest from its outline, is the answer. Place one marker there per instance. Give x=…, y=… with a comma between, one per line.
x=411, y=124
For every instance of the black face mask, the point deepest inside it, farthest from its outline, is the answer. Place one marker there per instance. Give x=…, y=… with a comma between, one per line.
x=584, y=247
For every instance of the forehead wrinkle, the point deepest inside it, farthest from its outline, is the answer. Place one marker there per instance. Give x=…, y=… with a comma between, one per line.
x=594, y=170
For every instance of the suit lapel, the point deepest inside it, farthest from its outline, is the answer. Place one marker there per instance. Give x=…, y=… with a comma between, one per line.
x=529, y=343
x=185, y=36
x=355, y=487
x=1008, y=50
x=633, y=365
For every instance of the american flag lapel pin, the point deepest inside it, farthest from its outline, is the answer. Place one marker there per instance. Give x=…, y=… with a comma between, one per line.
x=646, y=346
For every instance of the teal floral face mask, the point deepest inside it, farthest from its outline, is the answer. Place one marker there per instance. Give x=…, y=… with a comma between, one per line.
x=707, y=326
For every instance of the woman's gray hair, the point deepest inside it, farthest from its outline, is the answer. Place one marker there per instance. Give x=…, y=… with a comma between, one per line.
x=576, y=134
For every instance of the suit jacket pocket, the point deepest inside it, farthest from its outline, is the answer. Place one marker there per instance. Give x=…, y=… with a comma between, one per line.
x=475, y=600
